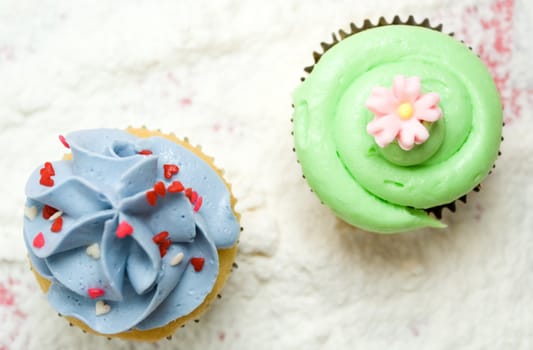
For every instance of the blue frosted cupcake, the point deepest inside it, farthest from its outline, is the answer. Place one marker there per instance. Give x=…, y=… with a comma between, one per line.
x=132, y=235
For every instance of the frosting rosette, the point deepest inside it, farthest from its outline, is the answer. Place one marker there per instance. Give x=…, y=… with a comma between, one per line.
x=127, y=231
x=346, y=124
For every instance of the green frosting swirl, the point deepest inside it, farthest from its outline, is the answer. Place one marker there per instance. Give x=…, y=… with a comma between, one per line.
x=386, y=190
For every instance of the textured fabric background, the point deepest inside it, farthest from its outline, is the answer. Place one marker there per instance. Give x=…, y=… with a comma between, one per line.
x=222, y=73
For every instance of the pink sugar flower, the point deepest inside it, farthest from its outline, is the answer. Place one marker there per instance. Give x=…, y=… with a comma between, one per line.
x=400, y=111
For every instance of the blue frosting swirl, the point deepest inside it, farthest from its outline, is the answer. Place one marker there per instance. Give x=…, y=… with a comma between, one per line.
x=104, y=184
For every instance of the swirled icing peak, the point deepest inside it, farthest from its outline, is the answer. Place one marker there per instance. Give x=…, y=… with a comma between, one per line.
x=399, y=113
x=128, y=230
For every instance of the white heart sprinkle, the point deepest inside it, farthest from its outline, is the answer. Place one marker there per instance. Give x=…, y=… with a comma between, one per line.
x=93, y=251
x=176, y=259
x=30, y=212
x=102, y=308
x=55, y=215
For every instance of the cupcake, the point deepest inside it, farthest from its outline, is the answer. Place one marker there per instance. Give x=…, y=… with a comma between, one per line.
x=132, y=235
x=393, y=123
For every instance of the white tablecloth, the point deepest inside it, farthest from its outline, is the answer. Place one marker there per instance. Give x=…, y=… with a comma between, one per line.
x=222, y=73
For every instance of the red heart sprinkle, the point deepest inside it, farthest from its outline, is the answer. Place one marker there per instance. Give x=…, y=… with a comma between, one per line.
x=198, y=204
x=47, y=171
x=145, y=152
x=176, y=186
x=188, y=193
x=48, y=211
x=49, y=168
x=194, y=197
x=198, y=264
x=170, y=170
x=166, y=243
x=124, y=229
x=46, y=180
x=160, y=237
x=64, y=141
x=159, y=188
x=151, y=197
x=162, y=251
x=38, y=241
x=57, y=225
x=95, y=292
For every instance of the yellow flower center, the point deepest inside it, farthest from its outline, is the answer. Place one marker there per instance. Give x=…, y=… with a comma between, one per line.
x=405, y=111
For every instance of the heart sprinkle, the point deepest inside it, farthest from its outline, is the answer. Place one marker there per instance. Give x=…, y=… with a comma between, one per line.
x=101, y=308
x=160, y=237
x=38, y=241
x=166, y=243
x=55, y=215
x=64, y=141
x=162, y=251
x=47, y=171
x=197, y=263
x=163, y=247
x=48, y=211
x=194, y=197
x=170, y=170
x=162, y=240
x=177, y=259
x=46, y=180
x=30, y=212
x=145, y=152
x=175, y=187
x=124, y=229
x=198, y=204
x=151, y=197
x=94, y=293
x=159, y=188
x=93, y=251
x=57, y=225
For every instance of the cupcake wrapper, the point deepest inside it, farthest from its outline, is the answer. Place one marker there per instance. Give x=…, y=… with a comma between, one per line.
x=336, y=37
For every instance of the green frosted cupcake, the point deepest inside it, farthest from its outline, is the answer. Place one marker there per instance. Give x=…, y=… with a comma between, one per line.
x=394, y=122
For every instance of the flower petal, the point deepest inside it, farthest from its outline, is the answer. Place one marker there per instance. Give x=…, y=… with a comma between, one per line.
x=381, y=102
x=429, y=115
x=398, y=85
x=384, y=129
x=421, y=133
x=406, y=89
x=427, y=101
x=412, y=132
x=426, y=108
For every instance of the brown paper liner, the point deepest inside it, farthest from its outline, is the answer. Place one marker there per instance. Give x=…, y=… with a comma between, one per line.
x=336, y=37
